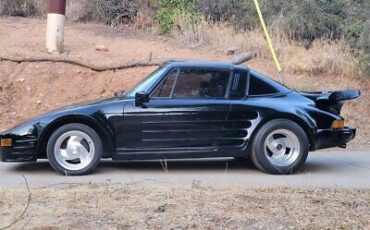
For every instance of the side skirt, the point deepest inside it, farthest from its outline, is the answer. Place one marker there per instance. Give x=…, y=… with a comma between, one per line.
x=178, y=153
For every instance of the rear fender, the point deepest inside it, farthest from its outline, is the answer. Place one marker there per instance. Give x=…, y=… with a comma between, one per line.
x=307, y=124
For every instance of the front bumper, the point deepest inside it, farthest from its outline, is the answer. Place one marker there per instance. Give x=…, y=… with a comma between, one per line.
x=328, y=138
x=22, y=149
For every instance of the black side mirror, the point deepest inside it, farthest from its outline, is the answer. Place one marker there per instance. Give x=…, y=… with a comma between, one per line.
x=141, y=98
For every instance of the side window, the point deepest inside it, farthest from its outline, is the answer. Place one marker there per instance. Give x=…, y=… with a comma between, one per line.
x=201, y=83
x=239, y=85
x=165, y=88
x=258, y=86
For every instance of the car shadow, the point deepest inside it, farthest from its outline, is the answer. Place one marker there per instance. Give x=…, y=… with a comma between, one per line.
x=214, y=164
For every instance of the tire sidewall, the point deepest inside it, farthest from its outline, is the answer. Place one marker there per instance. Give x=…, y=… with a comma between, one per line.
x=74, y=127
x=260, y=157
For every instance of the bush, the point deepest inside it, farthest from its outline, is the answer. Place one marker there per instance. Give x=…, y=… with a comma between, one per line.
x=241, y=13
x=365, y=65
x=311, y=19
x=168, y=10
x=364, y=40
x=81, y=10
x=22, y=8
x=302, y=20
x=115, y=12
x=111, y=12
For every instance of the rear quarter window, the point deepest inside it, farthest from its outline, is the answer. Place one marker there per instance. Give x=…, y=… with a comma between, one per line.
x=260, y=85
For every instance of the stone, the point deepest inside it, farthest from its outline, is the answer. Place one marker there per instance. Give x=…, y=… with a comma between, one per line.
x=101, y=48
x=232, y=50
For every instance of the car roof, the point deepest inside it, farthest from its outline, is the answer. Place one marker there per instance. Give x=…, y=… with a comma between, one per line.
x=203, y=64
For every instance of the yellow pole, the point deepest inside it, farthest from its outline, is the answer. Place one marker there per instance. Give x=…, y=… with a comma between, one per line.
x=267, y=36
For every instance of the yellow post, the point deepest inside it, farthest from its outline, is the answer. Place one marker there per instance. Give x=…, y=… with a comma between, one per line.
x=267, y=36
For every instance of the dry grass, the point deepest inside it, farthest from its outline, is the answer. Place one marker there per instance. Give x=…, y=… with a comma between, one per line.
x=112, y=206
x=321, y=57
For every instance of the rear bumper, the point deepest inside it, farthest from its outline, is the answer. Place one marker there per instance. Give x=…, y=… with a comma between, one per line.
x=328, y=138
x=23, y=149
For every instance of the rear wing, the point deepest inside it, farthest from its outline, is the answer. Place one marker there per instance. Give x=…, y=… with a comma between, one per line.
x=333, y=96
x=344, y=95
x=332, y=100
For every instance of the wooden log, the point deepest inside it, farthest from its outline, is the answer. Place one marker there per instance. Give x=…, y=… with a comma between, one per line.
x=240, y=59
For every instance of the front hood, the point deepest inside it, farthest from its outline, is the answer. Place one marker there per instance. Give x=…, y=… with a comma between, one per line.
x=89, y=108
x=85, y=104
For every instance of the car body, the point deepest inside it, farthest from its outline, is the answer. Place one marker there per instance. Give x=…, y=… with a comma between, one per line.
x=212, y=110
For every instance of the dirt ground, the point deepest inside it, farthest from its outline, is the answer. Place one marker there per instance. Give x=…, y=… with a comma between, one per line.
x=31, y=89
x=112, y=206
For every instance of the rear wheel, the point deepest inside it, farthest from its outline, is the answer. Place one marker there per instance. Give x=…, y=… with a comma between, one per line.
x=74, y=149
x=280, y=147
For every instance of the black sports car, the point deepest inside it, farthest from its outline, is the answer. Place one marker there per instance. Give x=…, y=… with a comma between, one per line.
x=188, y=110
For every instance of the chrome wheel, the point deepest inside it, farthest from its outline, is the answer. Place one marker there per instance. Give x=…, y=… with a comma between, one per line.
x=282, y=147
x=74, y=150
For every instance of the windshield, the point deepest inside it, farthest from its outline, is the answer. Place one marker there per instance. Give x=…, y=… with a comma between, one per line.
x=145, y=84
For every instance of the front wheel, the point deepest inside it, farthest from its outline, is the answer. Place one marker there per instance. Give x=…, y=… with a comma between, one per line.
x=74, y=149
x=280, y=147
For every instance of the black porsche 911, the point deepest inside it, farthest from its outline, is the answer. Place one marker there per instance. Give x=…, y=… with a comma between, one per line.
x=188, y=110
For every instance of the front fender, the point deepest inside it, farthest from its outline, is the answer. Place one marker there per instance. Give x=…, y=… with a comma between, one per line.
x=98, y=122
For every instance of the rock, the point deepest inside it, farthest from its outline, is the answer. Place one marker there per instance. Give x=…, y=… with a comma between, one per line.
x=39, y=102
x=232, y=50
x=20, y=79
x=101, y=48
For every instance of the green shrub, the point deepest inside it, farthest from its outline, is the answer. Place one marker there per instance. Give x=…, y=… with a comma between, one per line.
x=168, y=10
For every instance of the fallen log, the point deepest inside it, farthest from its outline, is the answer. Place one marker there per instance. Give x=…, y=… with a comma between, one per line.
x=240, y=59
x=243, y=57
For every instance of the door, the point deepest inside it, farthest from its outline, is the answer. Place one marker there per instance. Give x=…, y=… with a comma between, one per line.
x=188, y=110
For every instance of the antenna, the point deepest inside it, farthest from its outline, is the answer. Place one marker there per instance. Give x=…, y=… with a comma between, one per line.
x=269, y=41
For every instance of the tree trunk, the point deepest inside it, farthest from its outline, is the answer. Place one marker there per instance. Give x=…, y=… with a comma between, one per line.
x=55, y=26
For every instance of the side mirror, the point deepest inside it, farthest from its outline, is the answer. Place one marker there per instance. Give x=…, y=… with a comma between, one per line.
x=141, y=98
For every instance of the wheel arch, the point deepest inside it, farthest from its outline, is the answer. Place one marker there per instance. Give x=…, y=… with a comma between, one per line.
x=307, y=128
x=104, y=133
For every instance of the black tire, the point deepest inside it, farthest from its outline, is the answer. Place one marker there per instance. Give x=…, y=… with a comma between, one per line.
x=74, y=127
x=259, y=150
